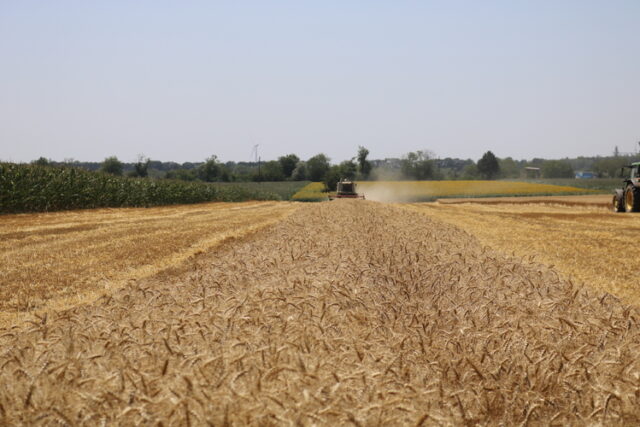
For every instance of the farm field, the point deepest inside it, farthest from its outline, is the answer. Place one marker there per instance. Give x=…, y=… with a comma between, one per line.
x=580, y=236
x=312, y=192
x=32, y=188
x=348, y=312
x=604, y=185
x=420, y=191
x=594, y=201
x=61, y=259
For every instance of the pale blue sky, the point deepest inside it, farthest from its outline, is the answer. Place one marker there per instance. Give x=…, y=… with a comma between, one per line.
x=181, y=80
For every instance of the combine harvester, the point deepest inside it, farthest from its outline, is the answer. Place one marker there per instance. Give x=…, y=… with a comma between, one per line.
x=346, y=190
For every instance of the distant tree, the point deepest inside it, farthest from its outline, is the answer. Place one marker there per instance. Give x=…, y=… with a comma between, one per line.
x=112, y=166
x=182, y=174
x=557, y=169
x=42, y=162
x=364, y=166
x=288, y=164
x=450, y=168
x=616, y=152
x=300, y=172
x=332, y=177
x=509, y=168
x=272, y=171
x=418, y=165
x=345, y=170
x=609, y=167
x=348, y=170
x=140, y=168
x=488, y=166
x=317, y=167
x=210, y=170
x=470, y=172
x=225, y=174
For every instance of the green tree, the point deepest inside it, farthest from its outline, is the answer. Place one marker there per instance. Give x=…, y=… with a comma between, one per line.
x=300, y=172
x=610, y=166
x=470, y=172
x=557, y=169
x=348, y=169
x=317, y=167
x=42, y=161
x=332, y=177
x=182, y=174
x=112, y=166
x=272, y=171
x=364, y=166
x=418, y=165
x=509, y=168
x=210, y=170
x=488, y=166
x=140, y=168
x=288, y=164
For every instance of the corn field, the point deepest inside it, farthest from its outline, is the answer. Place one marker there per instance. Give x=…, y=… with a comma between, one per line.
x=32, y=188
x=342, y=313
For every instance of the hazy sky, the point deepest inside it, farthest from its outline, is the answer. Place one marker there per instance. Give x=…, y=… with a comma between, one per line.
x=181, y=80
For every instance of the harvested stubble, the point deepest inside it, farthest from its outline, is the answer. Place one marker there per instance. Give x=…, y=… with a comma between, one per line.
x=60, y=259
x=586, y=243
x=345, y=312
x=595, y=201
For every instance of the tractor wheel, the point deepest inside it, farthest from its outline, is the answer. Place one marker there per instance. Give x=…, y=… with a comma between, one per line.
x=632, y=199
x=618, y=201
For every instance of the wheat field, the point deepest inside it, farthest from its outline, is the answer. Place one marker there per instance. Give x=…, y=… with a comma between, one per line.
x=58, y=260
x=348, y=312
x=582, y=239
x=589, y=201
x=418, y=191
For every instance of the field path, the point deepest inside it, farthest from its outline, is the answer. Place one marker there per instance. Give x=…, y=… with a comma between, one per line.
x=349, y=312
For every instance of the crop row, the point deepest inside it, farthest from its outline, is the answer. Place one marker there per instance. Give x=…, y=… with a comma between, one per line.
x=32, y=188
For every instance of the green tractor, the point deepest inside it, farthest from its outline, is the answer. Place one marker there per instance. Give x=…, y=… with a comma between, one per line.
x=627, y=199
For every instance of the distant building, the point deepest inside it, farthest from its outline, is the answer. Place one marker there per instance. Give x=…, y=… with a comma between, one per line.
x=532, y=172
x=585, y=175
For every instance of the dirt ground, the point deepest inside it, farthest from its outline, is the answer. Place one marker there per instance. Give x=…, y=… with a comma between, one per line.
x=349, y=312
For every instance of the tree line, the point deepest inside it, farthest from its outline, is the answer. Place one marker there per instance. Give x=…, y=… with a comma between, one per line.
x=418, y=165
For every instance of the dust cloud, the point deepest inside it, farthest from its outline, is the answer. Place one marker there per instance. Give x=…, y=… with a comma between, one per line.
x=393, y=192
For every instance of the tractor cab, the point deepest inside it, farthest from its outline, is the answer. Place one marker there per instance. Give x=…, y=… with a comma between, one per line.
x=346, y=188
x=627, y=198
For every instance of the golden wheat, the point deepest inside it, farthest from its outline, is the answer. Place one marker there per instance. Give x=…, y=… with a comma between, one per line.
x=61, y=259
x=589, y=201
x=349, y=312
x=583, y=239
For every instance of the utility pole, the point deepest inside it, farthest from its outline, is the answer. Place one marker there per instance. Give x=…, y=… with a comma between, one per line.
x=256, y=158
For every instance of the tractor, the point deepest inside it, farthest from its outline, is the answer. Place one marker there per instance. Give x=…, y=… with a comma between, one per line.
x=627, y=199
x=346, y=189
